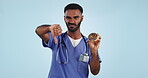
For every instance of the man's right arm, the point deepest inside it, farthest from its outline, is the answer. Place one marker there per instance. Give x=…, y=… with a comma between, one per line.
x=42, y=32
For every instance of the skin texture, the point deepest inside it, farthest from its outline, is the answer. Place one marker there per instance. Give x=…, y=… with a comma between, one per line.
x=73, y=19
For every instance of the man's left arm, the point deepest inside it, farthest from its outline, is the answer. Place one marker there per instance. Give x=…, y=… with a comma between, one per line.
x=95, y=62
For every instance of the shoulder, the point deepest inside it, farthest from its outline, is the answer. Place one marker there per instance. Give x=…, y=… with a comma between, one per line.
x=86, y=38
x=61, y=36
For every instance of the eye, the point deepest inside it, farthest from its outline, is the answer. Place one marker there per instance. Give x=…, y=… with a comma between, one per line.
x=67, y=17
x=76, y=17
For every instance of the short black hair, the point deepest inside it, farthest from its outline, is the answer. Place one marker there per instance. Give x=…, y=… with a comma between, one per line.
x=73, y=6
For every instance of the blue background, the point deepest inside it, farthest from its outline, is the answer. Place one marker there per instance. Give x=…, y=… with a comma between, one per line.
x=123, y=25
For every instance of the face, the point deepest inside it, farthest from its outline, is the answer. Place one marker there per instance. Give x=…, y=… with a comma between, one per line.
x=73, y=19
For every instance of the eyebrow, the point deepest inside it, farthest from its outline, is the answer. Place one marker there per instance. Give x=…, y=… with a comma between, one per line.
x=72, y=17
x=76, y=16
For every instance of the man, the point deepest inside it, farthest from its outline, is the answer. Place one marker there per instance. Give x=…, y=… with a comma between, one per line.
x=72, y=52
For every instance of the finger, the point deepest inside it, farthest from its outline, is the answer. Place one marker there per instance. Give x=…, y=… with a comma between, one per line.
x=57, y=26
x=52, y=32
x=55, y=40
x=90, y=42
x=97, y=43
x=99, y=37
x=57, y=31
x=60, y=32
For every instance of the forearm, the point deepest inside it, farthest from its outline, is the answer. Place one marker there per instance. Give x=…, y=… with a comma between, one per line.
x=95, y=63
x=43, y=29
x=42, y=32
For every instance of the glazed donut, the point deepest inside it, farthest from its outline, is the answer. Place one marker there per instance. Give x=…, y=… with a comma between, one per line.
x=93, y=36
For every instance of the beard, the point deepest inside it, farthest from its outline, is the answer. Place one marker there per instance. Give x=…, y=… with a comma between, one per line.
x=71, y=28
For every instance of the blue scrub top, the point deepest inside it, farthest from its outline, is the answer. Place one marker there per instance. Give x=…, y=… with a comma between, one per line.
x=74, y=68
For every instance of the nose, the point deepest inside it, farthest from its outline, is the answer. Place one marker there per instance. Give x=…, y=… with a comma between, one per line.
x=72, y=20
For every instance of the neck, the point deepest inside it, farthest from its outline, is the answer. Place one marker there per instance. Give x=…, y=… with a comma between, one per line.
x=74, y=35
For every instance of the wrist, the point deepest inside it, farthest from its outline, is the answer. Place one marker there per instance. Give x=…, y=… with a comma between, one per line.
x=49, y=28
x=94, y=52
x=94, y=56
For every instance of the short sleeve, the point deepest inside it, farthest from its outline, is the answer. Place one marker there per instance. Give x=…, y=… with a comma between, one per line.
x=90, y=57
x=99, y=58
x=50, y=42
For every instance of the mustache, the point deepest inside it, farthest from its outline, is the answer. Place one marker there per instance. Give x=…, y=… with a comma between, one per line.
x=71, y=24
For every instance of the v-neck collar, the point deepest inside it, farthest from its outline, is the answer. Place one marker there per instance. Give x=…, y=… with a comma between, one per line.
x=74, y=42
x=71, y=42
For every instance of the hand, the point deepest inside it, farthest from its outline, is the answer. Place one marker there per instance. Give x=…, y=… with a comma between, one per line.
x=94, y=44
x=55, y=30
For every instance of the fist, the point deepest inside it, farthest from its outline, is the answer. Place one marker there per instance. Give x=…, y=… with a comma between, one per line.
x=55, y=30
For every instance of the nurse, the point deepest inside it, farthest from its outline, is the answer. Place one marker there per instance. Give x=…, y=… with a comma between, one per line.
x=72, y=53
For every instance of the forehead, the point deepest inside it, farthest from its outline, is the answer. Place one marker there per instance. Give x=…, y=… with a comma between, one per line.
x=73, y=12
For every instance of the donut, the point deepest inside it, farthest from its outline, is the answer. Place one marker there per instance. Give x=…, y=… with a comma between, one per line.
x=93, y=36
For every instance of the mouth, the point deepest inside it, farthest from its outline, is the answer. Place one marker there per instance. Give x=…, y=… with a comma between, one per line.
x=71, y=25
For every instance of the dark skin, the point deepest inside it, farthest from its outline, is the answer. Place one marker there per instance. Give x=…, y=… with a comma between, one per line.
x=73, y=19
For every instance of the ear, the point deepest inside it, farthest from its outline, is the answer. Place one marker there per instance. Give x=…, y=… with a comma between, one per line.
x=82, y=18
x=64, y=18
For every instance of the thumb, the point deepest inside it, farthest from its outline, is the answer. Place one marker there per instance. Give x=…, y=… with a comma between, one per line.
x=54, y=37
x=89, y=42
x=55, y=40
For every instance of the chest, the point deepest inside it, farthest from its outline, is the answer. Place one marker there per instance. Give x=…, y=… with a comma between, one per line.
x=75, y=52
